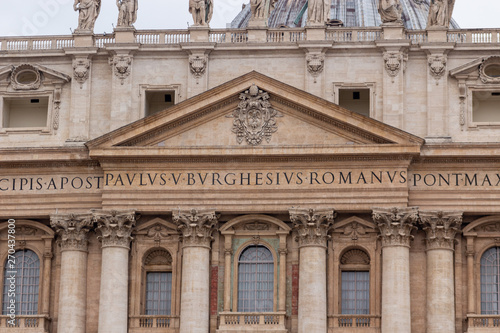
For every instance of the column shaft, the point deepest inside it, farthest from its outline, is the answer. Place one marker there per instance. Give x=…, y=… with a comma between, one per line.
x=113, y=302
x=227, y=281
x=282, y=282
x=47, y=267
x=195, y=290
x=440, y=291
x=312, y=290
x=470, y=284
x=396, y=311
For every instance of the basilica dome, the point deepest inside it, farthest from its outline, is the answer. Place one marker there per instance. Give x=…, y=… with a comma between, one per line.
x=352, y=13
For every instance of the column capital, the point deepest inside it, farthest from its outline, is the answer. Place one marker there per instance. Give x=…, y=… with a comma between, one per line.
x=395, y=225
x=115, y=227
x=440, y=228
x=196, y=226
x=72, y=229
x=312, y=226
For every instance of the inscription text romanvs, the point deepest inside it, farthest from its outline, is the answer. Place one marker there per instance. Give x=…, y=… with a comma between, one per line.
x=230, y=179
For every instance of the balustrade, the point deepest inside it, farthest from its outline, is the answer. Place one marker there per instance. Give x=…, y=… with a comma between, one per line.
x=25, y=324
x=267, y=321
x=145, y=323
x=483, y=323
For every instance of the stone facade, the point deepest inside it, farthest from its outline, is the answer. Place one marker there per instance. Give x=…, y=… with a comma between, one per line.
x=252, y=148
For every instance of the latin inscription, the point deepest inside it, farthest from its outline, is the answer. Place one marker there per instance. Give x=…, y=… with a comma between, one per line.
x=293, y=179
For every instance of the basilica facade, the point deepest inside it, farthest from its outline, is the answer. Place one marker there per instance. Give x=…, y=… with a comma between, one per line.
x=315, y=177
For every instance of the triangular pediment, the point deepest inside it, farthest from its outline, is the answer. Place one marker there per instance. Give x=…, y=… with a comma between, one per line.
x=31, y=76
x=470, y=68
x=253, y=114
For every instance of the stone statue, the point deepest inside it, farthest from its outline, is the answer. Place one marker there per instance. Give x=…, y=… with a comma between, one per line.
x=318, y=12
x=440, y=13
x=88, y=12
x=390, y=11
x=127, y=12
x=258, y=8
x=202, y=11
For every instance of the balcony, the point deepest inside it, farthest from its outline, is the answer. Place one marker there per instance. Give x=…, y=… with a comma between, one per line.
x=164, y=324
x=25, y=324
x=233, y=322
x=354, y=324
x=483, y=323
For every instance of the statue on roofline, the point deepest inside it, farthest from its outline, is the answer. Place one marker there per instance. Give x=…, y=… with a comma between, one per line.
x=318, y=12
x=390, y=11
x=258, y=8
x=440, y=13
x=127, y=12
x=88, y=11
x=202, y=11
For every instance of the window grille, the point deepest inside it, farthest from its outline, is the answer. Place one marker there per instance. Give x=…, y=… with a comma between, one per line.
x=255, y=280
x=27, y=273
x=490, y=282
x=158, y=293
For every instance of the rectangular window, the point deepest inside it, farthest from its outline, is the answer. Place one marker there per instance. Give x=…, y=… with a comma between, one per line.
x=158, y=293
x=486, y=106
x=355, y=292
x=25, y=112
x=157, y=101
x=356, y=100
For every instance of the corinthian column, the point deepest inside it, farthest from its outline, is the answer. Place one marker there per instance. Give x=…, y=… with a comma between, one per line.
x=196, y=227
x=312, y=228
x=115, y=228
x=72, y=230
x=395, y=226
x=441, y=228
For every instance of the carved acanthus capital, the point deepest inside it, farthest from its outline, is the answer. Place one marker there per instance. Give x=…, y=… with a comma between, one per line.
x=440, y=228
x=437, y=65
x=196, y=226
x=81, y=69
x=395, y=225
x=115, y=227
x=73, y=230
x=312, y=226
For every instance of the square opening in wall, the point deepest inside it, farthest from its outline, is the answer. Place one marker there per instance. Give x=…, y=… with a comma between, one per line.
x=486, y=106
x=157, y=101
x=356, y=100
x=25, y=112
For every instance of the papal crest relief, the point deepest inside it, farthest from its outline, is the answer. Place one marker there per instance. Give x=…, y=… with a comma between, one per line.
x=254, y=119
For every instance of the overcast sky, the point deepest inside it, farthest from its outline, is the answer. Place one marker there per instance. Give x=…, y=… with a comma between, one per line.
x=56, y=17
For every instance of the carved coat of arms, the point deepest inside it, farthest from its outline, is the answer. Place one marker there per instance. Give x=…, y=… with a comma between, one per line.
x=81, y=70
x=254, y=119
x=437, y=65
x=393, y=62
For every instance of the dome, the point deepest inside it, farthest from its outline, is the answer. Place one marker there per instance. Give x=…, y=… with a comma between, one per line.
x=353, y=13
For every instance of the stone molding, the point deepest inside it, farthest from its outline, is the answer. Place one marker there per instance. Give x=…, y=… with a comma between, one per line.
x=395, y=225
x=196, y=226
x=312, y=226
x=115, y=227
x=73, y=230
x=440, y=228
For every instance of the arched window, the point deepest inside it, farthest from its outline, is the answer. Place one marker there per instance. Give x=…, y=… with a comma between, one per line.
x=26, y=269
x=490, y=282
x=255, y=280
x=158, y=266
x=355, y=282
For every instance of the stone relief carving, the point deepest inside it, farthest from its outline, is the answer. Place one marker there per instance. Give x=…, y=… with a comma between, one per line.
x=395, y=225
x=315, y=64
x=255, y=119
x=127, y=12
x=355, y=256
x=157, y=233
x=394, y=62
x=73, y=230
x=312, y=226
x=489, y=71
x=437, y=65
x=121, y=66
x=202, y=11
x=88, y=11
x=318, y=12
x=26, y=231
x=81, y=70
x=158, y=257
x=256, y=226
x=197, y=65
x=57, y=106
x=440, y=13
x=440, y=228
x=354, y=230
x=25, y=77
x=115, y=227
x=390, y=11
x=492, y=227
x=196, y=226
